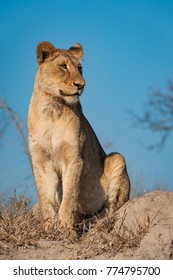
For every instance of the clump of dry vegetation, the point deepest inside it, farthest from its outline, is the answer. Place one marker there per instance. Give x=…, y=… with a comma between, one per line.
x=18, y=226
x=106, y=237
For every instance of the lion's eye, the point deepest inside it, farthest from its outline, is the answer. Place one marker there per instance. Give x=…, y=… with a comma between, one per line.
x=80, y=68
x=63, y=66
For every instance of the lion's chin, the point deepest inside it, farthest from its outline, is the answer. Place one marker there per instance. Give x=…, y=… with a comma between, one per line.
x=69, y=98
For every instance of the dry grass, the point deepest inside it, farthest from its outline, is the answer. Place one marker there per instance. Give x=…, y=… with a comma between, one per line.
x=20, y=228
x=104, y=237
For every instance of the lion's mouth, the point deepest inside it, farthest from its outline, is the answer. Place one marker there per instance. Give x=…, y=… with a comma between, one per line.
x=66, y=94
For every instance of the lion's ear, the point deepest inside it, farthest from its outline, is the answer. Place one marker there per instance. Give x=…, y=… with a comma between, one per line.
x=44, y=50
x=77, y=51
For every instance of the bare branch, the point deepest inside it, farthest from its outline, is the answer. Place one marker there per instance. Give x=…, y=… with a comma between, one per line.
x=15, y=119
x=157, y=115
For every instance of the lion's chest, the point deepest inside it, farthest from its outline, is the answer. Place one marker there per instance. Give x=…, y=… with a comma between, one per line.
x=61, y=139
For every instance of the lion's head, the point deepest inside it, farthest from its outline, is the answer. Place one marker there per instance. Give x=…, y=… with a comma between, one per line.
x=60, y=71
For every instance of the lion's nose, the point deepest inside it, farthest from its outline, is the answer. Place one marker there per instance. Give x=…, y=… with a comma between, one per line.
x=79, y=85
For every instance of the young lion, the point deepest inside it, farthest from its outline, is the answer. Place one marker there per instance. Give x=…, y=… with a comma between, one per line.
x=68, y=162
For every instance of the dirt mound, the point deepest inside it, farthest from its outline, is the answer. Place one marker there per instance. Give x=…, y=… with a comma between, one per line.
x=141, y=229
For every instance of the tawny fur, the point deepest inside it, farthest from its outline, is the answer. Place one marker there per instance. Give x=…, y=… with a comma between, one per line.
x=68, y=162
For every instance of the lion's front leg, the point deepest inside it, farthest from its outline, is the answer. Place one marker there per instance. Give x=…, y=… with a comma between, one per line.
x=47, y=182
x=68, y=213
x=115, y=181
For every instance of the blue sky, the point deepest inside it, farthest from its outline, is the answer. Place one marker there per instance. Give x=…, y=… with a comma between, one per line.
x=128, y=51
